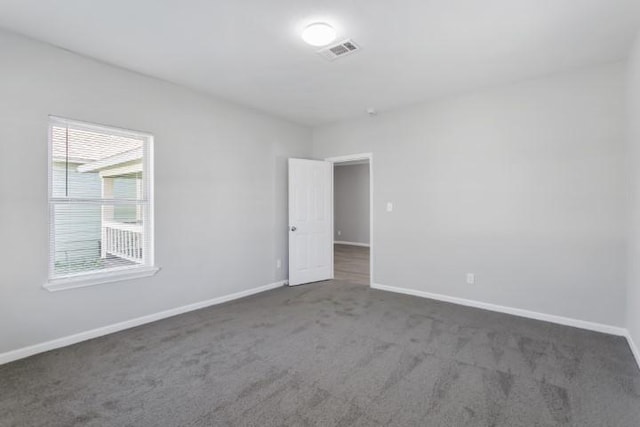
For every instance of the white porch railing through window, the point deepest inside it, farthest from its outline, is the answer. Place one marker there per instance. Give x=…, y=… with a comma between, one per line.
x=123, y=240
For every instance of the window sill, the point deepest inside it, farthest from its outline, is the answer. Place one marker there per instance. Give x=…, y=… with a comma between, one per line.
x=62, y=284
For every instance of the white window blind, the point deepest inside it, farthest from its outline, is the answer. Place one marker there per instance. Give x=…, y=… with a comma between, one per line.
x=100, y=200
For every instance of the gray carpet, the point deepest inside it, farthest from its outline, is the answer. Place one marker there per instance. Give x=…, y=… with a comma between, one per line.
x=330, y=354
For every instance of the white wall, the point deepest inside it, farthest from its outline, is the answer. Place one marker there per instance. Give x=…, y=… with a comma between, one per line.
x=351, y=203
x=523, y=185
x=633, y=297
x=220, y=191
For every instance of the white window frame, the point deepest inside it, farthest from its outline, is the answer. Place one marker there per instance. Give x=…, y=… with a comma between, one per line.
x=90, y=278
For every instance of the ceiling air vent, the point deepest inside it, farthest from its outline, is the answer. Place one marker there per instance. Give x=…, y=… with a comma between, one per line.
x=338, y=50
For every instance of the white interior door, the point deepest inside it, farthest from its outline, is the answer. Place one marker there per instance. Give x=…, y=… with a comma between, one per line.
x=310, y=221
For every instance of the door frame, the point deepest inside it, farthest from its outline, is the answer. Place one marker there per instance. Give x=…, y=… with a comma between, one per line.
x=351, y=158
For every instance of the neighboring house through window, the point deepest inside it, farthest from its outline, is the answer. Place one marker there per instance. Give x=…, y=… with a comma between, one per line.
x=100, y=201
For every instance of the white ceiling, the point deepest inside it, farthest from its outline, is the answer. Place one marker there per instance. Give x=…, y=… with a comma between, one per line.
x=250, y=51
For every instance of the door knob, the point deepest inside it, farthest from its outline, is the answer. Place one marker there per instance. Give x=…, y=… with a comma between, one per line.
x=293, y=228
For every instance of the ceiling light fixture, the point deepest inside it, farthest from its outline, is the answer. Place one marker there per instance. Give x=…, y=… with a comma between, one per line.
x=319, y=34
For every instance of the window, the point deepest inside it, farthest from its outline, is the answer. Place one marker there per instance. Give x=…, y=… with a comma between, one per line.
x=100, y=203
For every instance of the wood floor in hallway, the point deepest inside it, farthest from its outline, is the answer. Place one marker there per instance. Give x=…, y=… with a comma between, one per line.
x=351, y=263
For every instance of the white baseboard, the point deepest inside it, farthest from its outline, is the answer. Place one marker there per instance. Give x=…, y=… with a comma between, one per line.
x=634, y=349
x=342, y=242
x=21, y=353
x=582, y=324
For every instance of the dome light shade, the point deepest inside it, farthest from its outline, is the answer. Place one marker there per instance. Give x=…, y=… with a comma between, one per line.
x=319, y=34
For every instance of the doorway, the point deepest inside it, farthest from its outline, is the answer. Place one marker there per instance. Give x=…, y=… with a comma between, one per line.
x=353, y=219
x=311, y=218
